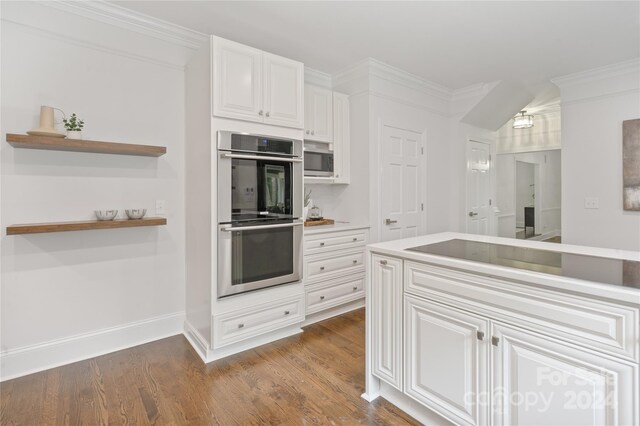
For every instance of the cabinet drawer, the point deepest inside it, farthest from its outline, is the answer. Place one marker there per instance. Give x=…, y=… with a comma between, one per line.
x=324, y=296
x=589, y=322
x=252, y=321
x=334, y=241
x=333, y=264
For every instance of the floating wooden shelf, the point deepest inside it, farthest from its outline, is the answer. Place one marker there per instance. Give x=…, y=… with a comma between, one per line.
x=39, y=228
x=63, y=144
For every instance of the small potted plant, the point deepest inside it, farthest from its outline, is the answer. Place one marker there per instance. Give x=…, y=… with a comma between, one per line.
x=74, y=126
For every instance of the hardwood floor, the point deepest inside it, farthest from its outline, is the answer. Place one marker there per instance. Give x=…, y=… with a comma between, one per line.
x=315, y=378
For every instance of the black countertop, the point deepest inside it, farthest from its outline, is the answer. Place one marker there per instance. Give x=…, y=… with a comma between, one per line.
x=625, y=273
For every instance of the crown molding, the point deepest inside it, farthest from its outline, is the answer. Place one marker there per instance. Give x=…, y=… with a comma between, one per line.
x=317, y=78
x=595, y=74
x=468, y=92
x=122, y=17
x=396, y=75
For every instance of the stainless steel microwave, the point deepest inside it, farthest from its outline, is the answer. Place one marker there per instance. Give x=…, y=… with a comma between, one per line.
x=318, y=162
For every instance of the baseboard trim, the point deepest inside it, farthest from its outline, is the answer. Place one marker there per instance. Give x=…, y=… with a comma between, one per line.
x=32, y=359
x=196, y=340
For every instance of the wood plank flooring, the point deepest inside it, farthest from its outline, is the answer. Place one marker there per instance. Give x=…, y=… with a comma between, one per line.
x=315, y=378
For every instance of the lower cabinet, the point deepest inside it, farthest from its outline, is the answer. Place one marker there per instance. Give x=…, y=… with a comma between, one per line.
x=334, y=270
x=386, y=305
x=467, y=362
x=447, y=360
x=538, y=381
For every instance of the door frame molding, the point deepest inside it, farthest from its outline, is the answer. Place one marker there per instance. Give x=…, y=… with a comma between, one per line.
x=376, y=225
x=492, y=182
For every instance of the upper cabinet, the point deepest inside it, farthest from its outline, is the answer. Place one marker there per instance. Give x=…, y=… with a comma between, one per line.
x=318, y=114
x=341, y=139
x=253, y=85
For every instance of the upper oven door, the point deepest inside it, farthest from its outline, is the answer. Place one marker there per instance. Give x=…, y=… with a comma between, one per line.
x=259, y=185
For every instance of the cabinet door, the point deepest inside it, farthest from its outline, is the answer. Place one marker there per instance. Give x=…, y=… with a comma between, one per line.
x=447, y=361
x=237, y=81
x=341, y=138
x=539, y=381
x=283, y=91
x=386, y=327
x=318, y=114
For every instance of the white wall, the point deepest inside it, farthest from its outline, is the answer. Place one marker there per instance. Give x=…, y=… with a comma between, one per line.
x=381, y=95
x=72, y=295
x=543, y=136
x=594, y=105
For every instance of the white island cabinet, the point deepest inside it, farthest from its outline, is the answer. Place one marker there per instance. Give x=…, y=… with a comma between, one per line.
x=476, y=337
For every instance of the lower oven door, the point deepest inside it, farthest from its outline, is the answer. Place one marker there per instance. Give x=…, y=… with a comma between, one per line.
x=254, y=257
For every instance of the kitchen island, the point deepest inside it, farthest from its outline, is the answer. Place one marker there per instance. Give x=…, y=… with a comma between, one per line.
x=476, y=330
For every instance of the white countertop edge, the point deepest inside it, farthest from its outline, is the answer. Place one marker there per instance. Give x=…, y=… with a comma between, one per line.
x=398, y=248
x=336, y=227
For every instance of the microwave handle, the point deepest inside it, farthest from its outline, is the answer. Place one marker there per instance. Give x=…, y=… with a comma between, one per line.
x=252, y=228
x=261, y=157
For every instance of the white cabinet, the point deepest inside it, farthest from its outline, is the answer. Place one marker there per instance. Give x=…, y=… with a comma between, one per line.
x=386, y=305
x=253, y=85
x=327, y=121
x=341, y=138
x=446, y=365
x=542, y=381
x=318, y=114
x=482, y=350
x=334, y=270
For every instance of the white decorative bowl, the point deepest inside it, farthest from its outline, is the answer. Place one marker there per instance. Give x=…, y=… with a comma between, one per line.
x=106, y=214
x=135, y=213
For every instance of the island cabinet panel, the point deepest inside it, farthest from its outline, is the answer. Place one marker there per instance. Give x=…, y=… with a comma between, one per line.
x=386, y=335
x=595, y=324
x=540, y=381
x=447, y=360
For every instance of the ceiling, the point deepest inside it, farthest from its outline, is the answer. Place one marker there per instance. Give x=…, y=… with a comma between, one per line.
x=455, y=44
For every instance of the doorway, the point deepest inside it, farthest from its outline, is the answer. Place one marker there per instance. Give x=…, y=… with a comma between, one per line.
x=478, y=187
x=401, y=202
x=526, y=194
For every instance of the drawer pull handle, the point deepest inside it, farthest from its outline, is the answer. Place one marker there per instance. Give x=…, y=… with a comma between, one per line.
x=322, y=268
x=383, y=262
x=240, y=325
x=480, y=335
x=355, y=288
x=321, y=244
x=355, y=261
x=287, y=312
x=495, y=341
x=355, y=239
x=321, y=297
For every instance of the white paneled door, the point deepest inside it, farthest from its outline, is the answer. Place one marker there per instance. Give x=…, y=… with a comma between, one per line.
x=401, y=201
x=478, y=187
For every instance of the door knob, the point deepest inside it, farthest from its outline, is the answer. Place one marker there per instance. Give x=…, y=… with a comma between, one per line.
x=307, y=132
x=389, y=221
x=260, y=112
x=472, y=214
x=267, y=114
x=480, y=335
x=313, y=133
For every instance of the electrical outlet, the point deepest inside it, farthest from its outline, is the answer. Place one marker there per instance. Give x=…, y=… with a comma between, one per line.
x=591, y=203
x=161, y=207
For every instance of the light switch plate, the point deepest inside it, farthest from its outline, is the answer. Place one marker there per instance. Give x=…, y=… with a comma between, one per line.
x=591, y=203
x=161, y=207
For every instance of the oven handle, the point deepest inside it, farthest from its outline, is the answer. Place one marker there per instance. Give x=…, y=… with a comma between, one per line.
x=262, y=157
x=252, y=228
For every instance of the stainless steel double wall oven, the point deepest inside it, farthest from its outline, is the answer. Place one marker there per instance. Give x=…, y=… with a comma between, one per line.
x=260, y=205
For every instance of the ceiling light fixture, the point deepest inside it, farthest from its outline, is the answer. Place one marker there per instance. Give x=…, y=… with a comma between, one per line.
x=523, y=121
